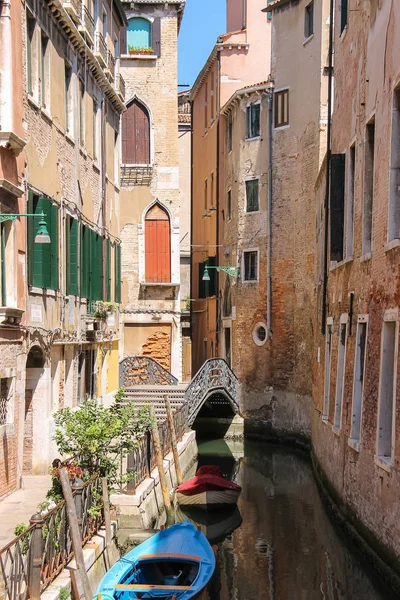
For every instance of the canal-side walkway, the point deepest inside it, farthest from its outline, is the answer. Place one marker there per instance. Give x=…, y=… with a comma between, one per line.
x=19, y=506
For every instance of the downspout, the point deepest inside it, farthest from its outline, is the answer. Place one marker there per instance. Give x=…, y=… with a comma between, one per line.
x=191, y=229
x=269, y=209
x=328, y=165
x=218, y=203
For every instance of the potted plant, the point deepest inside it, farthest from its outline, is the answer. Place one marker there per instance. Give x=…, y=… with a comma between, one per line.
x=103, y=309
x=140, y=50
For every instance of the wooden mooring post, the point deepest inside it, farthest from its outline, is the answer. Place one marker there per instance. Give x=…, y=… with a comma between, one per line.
x=172, y=432
x=160, y=463
x=75, y=533
x=107, y=517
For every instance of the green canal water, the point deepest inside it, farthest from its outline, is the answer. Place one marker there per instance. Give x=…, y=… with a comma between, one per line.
x=281, y=545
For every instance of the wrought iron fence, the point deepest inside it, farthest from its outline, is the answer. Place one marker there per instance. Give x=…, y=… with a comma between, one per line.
x=110, y=68
x=120, y=86
x=141, y=370
x=87, y=27
x=143, y=460
x=100, y=47
x=46, y=544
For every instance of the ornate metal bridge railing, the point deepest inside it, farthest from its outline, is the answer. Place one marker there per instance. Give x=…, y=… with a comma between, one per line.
x=141, y=370
x=214, y=376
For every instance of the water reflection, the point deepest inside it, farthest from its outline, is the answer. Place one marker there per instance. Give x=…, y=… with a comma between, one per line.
x=286, y=547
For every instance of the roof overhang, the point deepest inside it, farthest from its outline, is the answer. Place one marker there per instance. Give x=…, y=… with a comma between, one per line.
x=250, y=89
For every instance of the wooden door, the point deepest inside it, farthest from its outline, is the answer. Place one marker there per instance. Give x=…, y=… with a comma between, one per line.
x=135, y=135
x=157, y=251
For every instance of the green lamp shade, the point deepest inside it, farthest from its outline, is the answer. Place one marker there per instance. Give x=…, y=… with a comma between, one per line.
x=206, y=276
x=42, y=236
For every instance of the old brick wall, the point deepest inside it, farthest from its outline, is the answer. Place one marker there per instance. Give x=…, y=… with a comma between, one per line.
x=367, y=68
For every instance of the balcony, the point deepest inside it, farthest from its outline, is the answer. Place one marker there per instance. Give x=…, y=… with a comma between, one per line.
x=100, y=49
x=74, y=9
x=120, y=87
x=86, y=26
x=110, y=67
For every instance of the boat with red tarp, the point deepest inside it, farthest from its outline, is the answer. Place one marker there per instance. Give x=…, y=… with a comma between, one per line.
x=208, y=489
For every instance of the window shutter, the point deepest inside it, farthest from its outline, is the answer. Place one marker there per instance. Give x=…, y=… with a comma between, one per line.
x=122, y=41
x=85, y=262
x=202, y=287
x=338, y=169
x=96, y=266
x=117, y=273
x=42, y=253
x=30, y=244
x=248, y=109
x=108, y=270
x=156, y=36
x=53, y=263
x=72, y=229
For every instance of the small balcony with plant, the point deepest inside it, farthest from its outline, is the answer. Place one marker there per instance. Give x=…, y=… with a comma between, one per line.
x=140, y=51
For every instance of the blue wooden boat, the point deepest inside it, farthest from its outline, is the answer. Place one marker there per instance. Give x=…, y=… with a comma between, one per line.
x=174, y=564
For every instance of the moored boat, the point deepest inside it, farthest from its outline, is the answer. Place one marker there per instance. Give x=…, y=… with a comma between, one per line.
x=177, y=562
x=208, y=489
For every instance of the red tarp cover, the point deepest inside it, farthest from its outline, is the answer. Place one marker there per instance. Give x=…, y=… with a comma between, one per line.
x=206, y=479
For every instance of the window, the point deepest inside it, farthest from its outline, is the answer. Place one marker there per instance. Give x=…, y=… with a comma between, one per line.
x=5, y=408
x=350, y=203
x=44, y=69
x=108, y=271
x=250, y=265
x=205, y=195
x=212, y=97
x=138, y=34
x=8, y=264
x=205, y=105
x=337, y=190
x=229, y=205
x=327, y=382
x=117, y=263
x=309, y=20
x=229, y=132
x=68, y=98
x=91, y=264
x=260, y=334
x=253, y=120
x=358, y=385
x=207, y=289
x=387, y=391
x=281, y=108
x=394, y=201
x=344, y=14
x=30, y=52
x=136, y=135
x=43, y=258
x=116, y=158
x=71, y=238
x=95, y=120
x=252, y=195
x=81, y=113
x=104, y=23
x=157, y=246
x=87, y=375
x=212, y=191
x=368, y=187
x=340, y=372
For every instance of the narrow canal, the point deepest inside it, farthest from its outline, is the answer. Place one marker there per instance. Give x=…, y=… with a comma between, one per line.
x=280, y=544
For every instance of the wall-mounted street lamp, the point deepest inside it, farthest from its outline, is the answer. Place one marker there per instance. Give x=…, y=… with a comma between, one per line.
x=231, y=271
x=42, y=236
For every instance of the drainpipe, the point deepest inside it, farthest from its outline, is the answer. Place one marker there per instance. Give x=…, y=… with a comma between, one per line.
x=217, y=102
x=271, y=86
x=191, y=229
x=328, y=165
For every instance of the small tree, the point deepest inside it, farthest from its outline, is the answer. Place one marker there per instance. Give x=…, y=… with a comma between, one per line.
x=101, y=436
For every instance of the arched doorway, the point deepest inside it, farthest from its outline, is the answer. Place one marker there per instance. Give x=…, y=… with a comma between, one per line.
x=157, y=234
x=35, y=385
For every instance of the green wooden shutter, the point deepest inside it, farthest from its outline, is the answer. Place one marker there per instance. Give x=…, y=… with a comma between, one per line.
x=30, y=247
x=42, y=252
x=72, y=231
x=96, y=266
x=85, y=262
x=117, y=273
x=53, y=262
x=108, y=270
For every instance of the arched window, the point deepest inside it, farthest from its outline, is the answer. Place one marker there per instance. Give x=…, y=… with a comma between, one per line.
x=136, y=135
x=157, y=246
x=138, y=34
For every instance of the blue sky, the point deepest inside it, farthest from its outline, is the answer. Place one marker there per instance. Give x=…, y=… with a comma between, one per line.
x=203, y=21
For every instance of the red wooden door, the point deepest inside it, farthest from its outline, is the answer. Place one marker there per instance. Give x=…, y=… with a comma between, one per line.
x=157, y=251
x=135, y=135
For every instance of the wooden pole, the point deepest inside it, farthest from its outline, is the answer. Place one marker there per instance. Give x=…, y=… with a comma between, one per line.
x=35, y=557
x=75, y=533
x=107, y=517
x=159, y=458
x=172, y=433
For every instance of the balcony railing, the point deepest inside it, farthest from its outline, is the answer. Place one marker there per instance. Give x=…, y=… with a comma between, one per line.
x=100, y=49
x=110, y=68
x=120, y=87
x=74, y=9
x=87, y=26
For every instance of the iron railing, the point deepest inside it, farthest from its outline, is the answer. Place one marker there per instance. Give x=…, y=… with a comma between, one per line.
x=100, y=48
x=142, y=370
x=47, y=545
x=143, y=460
x=214, y=376
x=110, y=68
x=87, y=27
x=120, y=87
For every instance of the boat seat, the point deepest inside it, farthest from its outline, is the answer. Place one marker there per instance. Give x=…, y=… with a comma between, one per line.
x=170, y=556
x=141, y=587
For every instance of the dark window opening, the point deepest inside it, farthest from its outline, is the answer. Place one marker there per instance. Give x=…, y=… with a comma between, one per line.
x=338, y=166
x=281, y=102
x=309, y=20
x=252, y=204
x=253, y=120
x=251, y=265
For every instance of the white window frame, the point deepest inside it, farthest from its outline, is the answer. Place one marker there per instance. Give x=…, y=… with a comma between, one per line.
x=258, y=265
x=251, y=178
x=393, y=214
x=354, y=442
x=340, y=377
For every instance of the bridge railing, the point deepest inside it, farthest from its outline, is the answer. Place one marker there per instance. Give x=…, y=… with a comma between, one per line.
x=215, y=374
x=142, y=370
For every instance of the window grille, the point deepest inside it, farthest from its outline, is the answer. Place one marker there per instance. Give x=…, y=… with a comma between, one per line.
x=4, y=388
